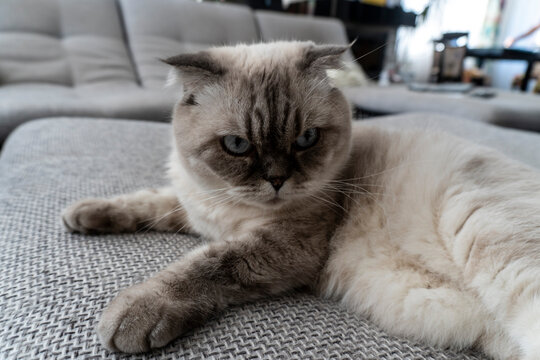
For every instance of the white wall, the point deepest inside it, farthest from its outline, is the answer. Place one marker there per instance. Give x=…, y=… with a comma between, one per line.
x=415, y=47
x=518, y=17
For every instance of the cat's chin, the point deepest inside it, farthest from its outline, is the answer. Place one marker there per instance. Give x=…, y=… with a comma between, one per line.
x=276, y=201
x=270, y=203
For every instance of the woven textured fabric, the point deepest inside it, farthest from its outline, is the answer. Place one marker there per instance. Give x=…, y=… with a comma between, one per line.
x=54, y=285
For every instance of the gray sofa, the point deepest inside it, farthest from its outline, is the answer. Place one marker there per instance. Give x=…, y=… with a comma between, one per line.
x=506, y=108
x=99, y=58
x=55, y=284
x=61, y=57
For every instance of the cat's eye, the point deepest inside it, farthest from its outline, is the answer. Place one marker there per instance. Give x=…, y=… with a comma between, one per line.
x=307, y=139
x=235, y=145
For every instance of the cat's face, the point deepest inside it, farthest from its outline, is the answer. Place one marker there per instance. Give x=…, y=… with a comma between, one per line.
x=262, y=121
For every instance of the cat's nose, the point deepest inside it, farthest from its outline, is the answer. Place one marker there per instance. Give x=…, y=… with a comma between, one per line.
x=277, y=181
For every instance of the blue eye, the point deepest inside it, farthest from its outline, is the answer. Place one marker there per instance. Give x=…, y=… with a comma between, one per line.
x=235, y=145
x=307, y=139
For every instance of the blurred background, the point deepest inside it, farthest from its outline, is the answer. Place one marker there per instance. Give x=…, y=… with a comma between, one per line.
x=474, y=59
x=409, y=30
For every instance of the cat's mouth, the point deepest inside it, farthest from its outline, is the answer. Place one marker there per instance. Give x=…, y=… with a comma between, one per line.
x=271, y=201
x=276, y=200
x=268, y=199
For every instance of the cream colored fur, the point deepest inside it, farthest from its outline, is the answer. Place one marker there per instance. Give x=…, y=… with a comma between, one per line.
x=448, y=252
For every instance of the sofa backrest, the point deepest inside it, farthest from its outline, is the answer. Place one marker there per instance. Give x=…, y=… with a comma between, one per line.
x=65, y=42
x=278, y=26
x=162, y=28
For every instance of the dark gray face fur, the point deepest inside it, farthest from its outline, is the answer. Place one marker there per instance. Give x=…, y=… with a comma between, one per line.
x=269, y=100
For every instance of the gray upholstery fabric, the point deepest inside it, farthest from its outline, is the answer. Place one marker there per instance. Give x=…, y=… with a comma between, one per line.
x=23, y=102
x=163, y=28
x=69, y=57
x=510, y=109
x=519, y=145
x=54, y=284
x=279, y=26
x=66, y=42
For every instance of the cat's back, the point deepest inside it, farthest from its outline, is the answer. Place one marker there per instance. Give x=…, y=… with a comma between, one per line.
x=418, y=173
x=408, y=191
x=406, y=161
x=386, y=154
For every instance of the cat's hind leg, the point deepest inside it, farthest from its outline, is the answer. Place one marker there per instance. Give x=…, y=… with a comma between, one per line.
x=497, y=247
x=408, y=302
x=157, y=209
x=505, y=270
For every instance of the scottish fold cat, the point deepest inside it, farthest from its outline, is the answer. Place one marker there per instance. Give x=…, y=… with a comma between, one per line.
x=431, y=237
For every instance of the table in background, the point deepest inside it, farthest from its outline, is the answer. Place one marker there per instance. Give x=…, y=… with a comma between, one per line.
x=507, y=54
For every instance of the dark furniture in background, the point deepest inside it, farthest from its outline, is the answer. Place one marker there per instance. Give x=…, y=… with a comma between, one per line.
x=507, y=54
x=448, y=57
x=360, y=13
x=275, y=5
x=373, y=27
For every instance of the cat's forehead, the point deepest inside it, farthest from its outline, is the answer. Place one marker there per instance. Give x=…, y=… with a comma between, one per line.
x=269, y=107
x=268, y=90
x=260, y=57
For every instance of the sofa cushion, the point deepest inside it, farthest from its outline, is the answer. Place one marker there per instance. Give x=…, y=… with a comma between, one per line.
x=55, y=284
x=65, y=42
x=23, y=102
x=162, y=28
x=509, y=109
x=279, y=26
x=519, y=145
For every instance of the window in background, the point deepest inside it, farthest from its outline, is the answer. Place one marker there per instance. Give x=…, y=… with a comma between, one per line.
x=518, y=16
x=415, y=46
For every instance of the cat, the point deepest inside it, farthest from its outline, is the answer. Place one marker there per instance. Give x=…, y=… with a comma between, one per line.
x=433, y=238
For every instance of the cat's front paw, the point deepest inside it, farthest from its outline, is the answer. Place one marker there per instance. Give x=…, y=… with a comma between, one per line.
x=92, y=216
x=141, y=318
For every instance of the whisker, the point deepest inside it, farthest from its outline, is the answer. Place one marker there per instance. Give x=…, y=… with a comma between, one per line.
x=345, y=63
x=210, y=191
x=354, y=188
x=334, y=203
x=353, y=184
x=153, y=221
x=368, y=53
x=182, y=228
x=368, y=194
x=390, y=169
x=325, y=203
x=353, y=192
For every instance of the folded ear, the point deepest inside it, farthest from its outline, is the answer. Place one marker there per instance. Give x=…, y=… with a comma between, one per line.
x=193, y=69
x=323, y=57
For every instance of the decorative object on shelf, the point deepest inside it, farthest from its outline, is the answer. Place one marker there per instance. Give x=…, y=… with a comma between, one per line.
x=375, y=2
x=449, y=52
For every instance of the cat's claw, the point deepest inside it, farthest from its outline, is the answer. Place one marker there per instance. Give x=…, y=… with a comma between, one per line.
x=140, y=318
